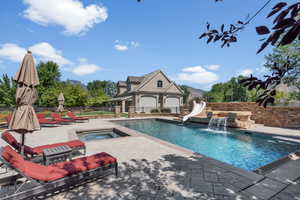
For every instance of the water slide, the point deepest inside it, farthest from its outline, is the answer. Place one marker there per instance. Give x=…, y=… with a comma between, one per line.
x=197, y=109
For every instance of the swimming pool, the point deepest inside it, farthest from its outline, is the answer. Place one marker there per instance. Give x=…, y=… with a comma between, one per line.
x=247, y=151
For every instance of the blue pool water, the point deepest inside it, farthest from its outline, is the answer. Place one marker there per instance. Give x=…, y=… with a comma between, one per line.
x=235, y=147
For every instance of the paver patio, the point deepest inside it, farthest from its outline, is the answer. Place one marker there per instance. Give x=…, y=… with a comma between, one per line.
x=152, y=169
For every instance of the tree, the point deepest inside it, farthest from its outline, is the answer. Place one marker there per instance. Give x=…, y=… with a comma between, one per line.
x=48, y=90
x=279, y=55
x=230, y=91
x=75, y=94
x=7, y=91
x=49, y=74
x=186, y=93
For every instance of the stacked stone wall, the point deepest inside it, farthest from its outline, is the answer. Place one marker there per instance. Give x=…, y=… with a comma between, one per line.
x=288, y=117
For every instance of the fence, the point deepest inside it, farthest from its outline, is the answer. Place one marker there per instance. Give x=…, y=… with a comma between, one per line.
x=74, y=109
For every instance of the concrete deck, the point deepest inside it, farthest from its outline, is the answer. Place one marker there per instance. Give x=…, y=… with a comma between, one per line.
x=153, y=169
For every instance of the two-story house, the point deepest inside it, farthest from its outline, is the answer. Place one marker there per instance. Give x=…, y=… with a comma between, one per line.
x=149, y=92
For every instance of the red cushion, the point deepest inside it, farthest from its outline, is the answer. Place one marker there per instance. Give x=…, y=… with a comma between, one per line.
x=9, y=138
x=33, y=170
x=86, y=163
x=75, y=144
x=40, y=115
x=42, y=172
x=11, y=156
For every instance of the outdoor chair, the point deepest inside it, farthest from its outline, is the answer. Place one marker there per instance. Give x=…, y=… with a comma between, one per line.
x=57, y=117
x=51, y=178
x=46, y=122
x=8, y=118
x=32, y=152
x=74, y=117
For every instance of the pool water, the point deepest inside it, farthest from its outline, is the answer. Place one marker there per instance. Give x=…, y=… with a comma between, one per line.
x=247, y=151
x=97, y=135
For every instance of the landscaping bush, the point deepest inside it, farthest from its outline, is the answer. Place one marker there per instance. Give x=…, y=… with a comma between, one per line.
x=155, y=110
x=166, y=110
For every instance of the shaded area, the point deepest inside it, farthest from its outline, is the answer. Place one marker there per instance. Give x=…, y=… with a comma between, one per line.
x=172, y=177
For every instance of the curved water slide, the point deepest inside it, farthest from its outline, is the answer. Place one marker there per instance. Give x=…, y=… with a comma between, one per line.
x=197, y=109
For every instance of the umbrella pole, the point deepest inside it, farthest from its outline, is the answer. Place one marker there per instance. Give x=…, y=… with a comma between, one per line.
x=22, y=144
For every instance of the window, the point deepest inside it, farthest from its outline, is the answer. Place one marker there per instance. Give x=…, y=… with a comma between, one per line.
x=159, y=84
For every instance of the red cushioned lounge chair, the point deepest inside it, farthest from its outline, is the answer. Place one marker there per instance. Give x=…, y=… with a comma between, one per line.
x=8, y=118
x=74, y=117
x=58, y=118
x=31, y=152
x=51, y=178
x=46, y=122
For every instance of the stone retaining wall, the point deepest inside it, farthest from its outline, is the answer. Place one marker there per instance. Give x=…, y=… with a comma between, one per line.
x=288, y=117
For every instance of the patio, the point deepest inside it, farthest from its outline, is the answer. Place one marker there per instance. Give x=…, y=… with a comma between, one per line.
x=153, y=169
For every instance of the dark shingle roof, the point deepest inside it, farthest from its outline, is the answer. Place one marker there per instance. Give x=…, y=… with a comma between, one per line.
x=135, y=79
x=122, y=83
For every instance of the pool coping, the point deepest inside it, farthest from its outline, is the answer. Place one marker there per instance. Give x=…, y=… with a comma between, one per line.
x=261, y=170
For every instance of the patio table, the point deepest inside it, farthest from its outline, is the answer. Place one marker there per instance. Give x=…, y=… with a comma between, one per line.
x=57, y=154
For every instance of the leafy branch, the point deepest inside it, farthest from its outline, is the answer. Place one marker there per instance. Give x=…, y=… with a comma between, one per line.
x=230, y=35
x=286, y=27
x=270, y=83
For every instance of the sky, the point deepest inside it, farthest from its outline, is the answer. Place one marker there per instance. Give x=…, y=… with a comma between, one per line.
x=112, y=39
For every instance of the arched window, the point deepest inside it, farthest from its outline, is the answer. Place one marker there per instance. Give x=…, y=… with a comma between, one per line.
x=159, y=84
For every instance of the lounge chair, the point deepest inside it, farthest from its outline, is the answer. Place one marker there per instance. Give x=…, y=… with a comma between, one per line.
x=74, y=117
x=46, y=122
x=57, y=117
x=31, y=152
x=51, y=178
x=8, y=118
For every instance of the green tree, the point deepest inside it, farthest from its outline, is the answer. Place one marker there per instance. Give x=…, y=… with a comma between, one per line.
x=49, y=74
x=279, y=55
x=186, y=93
x=75, y=94
x=7, y=91
x=230, y=91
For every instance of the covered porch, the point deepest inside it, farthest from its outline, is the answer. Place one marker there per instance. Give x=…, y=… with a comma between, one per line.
x=123, y=102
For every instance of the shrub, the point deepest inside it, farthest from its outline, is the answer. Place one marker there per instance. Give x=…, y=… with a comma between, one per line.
x=155, y=110
x=166, y=110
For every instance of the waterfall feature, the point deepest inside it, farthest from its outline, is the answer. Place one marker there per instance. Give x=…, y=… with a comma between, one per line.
x=218, y=124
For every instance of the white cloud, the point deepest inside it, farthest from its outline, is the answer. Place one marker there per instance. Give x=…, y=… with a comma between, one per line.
x=197, y=74
x=134, y=44
x=12, y=52
x=213, y=67
x=125, y=45
x=246, y=72
x=43, y=51
x=46, y=52
x=120, y=47
x=71, y=14
x=85, y=69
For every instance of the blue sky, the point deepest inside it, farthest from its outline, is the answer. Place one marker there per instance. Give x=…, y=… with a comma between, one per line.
x=111, y=39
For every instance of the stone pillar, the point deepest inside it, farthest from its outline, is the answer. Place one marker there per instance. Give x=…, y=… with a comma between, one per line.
x=117, y=111
x=123, y=106
x=131, y=111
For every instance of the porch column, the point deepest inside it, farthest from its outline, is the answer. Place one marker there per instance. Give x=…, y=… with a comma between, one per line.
x=123, y=106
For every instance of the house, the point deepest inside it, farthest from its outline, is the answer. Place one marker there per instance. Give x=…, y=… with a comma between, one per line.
x=148, y=93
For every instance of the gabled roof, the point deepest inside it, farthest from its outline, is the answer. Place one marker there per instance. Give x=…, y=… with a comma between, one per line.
x=122, y=84
x=175, y=85
x=149, y=77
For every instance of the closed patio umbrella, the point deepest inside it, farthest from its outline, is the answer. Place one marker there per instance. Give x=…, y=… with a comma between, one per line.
x=24, y=119
x=61, y=102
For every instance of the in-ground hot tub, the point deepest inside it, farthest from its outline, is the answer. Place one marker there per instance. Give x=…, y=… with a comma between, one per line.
x=99, y=134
